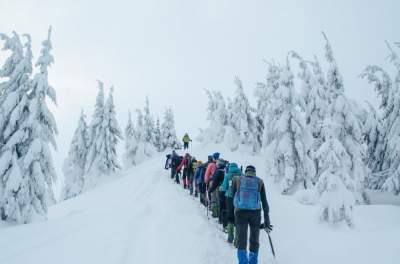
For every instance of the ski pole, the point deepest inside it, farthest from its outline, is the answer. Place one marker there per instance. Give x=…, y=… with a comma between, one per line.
x=270, y=243
x=207, y=200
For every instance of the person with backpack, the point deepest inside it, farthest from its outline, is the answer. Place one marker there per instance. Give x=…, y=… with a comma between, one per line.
x=233, y=171
x=190, y=175
x=197, y=178
x=218, y=208
x=249, y=197
x=200, y=178
x=186, y=139
x=185, y=165
x=175, y=161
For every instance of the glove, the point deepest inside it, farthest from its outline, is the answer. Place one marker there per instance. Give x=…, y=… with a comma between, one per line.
x=267, y=227
x=267, y=224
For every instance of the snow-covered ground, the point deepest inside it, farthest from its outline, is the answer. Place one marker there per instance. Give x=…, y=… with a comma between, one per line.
x=143, y=217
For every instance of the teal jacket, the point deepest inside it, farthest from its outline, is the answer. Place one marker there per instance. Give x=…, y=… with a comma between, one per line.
x=233, y=170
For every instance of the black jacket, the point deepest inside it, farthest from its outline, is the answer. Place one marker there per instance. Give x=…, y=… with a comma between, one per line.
x=217, y=179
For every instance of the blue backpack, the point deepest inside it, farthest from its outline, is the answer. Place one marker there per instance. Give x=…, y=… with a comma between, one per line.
x=247, y=197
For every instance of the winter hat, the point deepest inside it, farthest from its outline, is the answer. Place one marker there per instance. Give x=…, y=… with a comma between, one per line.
x=210, y=158
x=250, y=171
x=216, y=155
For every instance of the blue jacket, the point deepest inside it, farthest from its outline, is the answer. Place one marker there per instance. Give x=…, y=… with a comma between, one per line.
x=198, y=174
x=233, y=170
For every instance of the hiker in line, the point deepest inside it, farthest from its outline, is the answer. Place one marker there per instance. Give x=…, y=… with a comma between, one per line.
x=249, y=197
x=186, y=139
x=185, y=165
x=211, y=167
x=218, y=208
x=233, y=171
x=197, y=178
x=190, y=176
x=201, y=180
x=175, y=161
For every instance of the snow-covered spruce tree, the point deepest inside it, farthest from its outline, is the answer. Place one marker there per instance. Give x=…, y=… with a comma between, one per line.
x=217, y=118
x=28, y=187
x=242, y=116
x=148, y=124
x=15, y=204
x=262, y=94
x=131, y=144
x=145, y=147
x=94, y=127
x=349, y=128
x=386, y=167
x=157, y=136
x=313, y=102
x=335, y=183
x=372, y=134
x=168, y=132
x=110, y=135
x=74, y=164
x=271, y=85
x=42, y=128
x=287, y=158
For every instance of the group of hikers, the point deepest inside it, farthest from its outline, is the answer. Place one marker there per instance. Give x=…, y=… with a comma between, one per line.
x=234, y=197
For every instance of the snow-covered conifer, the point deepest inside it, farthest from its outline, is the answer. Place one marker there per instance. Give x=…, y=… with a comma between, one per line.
x=15, y=201
x=386, y=155
x=94, y=127
x=28, y=189
x=157, y=136
x=335, y=186
x=42, y=127
x=168, y=132
x=287, y=158
x=74, y=164
x=148, y=124
x=131, y=144
x=349, y=128
x=243, y=120
x=110, y=135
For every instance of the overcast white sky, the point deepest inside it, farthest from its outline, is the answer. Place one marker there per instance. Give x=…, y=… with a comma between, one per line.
x=172, y=50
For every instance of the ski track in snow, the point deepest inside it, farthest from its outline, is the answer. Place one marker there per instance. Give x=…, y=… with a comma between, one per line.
x=144, y=217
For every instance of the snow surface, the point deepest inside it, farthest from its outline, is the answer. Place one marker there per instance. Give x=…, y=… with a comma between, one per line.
x=143, y=217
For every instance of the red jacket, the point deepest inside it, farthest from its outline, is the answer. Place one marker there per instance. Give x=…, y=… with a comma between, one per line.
x=185, y=162
x=210, y=172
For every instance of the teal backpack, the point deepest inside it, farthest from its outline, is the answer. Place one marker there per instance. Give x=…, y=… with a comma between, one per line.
x=247, y=196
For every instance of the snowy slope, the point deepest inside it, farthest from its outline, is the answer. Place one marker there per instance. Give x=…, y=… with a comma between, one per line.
x=143, y=217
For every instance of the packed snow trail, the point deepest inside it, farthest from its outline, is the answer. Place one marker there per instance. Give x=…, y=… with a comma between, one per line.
x=143, y=217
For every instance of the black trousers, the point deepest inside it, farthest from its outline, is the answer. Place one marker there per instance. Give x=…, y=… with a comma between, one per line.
x=243, y=220
x=173, y=171
x=230, y=211
x=222, y=208
x=185, y=145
